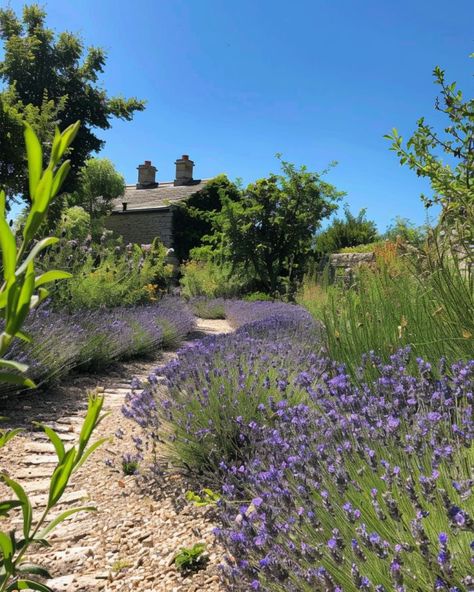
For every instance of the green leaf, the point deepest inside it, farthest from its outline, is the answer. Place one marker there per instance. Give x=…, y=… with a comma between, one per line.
x=14, y=365
x=89, y=451
x=68, y=136
x=35, y=159
x=90, y=422
x=44, y=192
x=60, y=477
x=26, y=505
x=33, y=569
x=5, y=437
x=52, y=276
x=55, y=439
x=6, y=547
x=10, y=378
x=8, y=505
x=60, y=177
x=8, y=249
x=42, y=244
x=52, y=525
x=28, y=585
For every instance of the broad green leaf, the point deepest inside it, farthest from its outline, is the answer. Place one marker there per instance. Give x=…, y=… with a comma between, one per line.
x=7, y=248
x=60, y=177
x=8, y=505
x=56, y=146
x=55, y=439
x=52, y=276
x=28, y=585
x=52, y=525
x=94, y=408
x=5, y=437
x=89, y=451
x=33, y=569
x=44, y=192
x=42, y=244
x=6, y=546
x=60, y=477
x=10, y=378
x=26, y=505
x=68, y=136
x=35, y=159
x=14, y=365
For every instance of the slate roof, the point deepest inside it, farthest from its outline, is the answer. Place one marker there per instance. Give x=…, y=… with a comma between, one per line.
x=156, y=198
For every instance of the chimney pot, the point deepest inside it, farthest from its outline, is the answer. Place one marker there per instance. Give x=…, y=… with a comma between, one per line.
x=146, y=175
x=184, y=170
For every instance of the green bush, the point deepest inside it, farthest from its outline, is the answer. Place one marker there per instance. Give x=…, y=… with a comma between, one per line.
x=348, y=232
x=109, y=274
x=202, y=277
x=257, y=297
x=208, y=308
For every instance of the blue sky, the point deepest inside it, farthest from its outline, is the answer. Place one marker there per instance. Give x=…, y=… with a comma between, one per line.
x=232, y=83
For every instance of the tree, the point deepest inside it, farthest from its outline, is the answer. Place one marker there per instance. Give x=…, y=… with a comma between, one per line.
x=407, y=231
x=270, y=229
x=43, y=69
x=452, y=180
x=193, y=217
x=348, y=232
x=99, y=184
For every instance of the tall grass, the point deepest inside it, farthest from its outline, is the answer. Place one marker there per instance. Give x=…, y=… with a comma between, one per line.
x=392, y=306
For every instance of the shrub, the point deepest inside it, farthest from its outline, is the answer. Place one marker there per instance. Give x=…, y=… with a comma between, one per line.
x=220, y=382
x=348, y=232
x=91, y=340
x=364, y=488
x=205, y=278
x=257, y=296
x=208, y=308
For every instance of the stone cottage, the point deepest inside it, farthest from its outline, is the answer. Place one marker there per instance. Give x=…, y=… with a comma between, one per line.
x=146, y=209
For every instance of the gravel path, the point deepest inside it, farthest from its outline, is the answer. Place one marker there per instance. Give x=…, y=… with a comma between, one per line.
x=130, y=542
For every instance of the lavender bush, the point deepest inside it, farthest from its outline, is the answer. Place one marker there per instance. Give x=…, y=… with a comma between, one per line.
x=92, y=339
x=221, y=382
x=359, y=488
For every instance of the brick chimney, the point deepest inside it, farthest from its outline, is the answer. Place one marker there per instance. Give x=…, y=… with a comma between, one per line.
x=184, y=171
x=146, y=175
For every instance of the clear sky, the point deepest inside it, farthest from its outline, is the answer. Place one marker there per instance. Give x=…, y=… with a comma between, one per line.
x=232, y=83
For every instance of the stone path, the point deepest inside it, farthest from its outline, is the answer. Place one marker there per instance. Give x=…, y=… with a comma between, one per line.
x=130, y=542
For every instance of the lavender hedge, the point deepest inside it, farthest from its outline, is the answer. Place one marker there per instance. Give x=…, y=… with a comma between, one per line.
x=220, y=381
x=327, y=484
x=358, y=488
x=90, y=340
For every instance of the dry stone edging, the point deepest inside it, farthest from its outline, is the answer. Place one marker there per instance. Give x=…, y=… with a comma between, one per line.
x=130, y=543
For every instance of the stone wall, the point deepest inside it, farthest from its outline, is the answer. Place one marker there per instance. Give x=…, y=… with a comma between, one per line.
x=142, y=227
x=342, y=265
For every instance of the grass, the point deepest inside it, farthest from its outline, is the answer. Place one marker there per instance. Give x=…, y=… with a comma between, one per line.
x=393, y=306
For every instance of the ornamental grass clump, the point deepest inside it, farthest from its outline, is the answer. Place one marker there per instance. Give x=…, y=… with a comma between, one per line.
x=221, y=383
x=365, y=487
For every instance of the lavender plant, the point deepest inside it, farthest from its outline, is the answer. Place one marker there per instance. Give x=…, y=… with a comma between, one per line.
x=92, y=339
x=220, y=383
x=361, y=488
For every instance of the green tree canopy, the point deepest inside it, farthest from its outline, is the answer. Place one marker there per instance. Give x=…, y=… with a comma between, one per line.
x=407, y=231
x=349, y=231
x=55, y=80
x=270, y=230
x=99, y=184
x=193, y=217
x=452, y=176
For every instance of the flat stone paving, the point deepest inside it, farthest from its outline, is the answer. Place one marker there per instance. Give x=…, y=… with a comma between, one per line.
x=130, y=541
